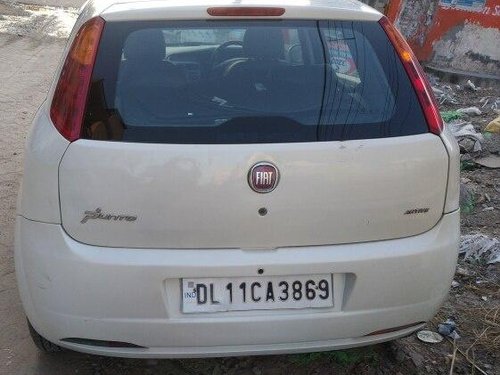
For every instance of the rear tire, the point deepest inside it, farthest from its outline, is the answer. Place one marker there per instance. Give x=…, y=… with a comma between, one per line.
x=42, y=343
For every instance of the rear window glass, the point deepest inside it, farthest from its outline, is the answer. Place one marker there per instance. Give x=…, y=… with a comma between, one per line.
x=277, y=81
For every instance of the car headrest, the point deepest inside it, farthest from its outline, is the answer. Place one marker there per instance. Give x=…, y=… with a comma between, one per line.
x=145, y=45
x=263, y=43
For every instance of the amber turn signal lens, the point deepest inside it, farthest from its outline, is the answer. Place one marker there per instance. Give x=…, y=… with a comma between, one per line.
x=86, y=42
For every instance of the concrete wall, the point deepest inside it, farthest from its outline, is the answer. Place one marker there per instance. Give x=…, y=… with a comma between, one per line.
x=456, y=36
x=380, y=5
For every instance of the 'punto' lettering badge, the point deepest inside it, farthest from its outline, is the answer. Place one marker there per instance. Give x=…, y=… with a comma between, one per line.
x=263, y=177
x=98, y=214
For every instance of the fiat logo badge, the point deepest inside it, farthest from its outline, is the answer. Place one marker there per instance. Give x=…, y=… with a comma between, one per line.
x=263, y=177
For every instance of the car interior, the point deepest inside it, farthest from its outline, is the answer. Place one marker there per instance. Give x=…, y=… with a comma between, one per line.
x=259, y=73
x=238, y=84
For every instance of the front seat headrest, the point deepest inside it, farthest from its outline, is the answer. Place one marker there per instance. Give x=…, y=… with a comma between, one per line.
x=264, y=43
x=145, y=45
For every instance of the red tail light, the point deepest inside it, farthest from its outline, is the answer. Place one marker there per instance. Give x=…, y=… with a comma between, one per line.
x=417, y=77
x=70, y=96
x=245, y=11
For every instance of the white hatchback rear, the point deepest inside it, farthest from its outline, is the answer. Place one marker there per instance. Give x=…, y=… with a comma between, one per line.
x=231, y=178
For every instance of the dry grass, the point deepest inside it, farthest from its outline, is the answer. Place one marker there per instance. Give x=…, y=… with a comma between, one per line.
x=478, y=319
x=486, y=330
x=484, y=321
x=481, y=332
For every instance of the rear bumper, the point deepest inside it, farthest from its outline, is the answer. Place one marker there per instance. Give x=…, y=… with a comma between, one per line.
x=73, y=290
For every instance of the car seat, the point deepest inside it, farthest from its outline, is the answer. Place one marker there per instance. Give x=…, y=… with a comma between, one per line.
x=148, y=86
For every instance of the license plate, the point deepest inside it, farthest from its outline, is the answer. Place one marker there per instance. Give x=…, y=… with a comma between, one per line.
x=256, y=293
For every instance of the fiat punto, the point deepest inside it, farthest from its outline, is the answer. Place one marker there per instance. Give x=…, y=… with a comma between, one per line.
x=235, y=177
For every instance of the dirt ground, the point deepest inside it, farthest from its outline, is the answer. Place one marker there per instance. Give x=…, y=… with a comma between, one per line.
x=28, y=57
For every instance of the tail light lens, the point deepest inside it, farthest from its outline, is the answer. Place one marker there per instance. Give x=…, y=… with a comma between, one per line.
x=70, y=96
x=417, y=77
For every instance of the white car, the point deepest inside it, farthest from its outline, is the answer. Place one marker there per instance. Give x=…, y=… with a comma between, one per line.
x=235, y=177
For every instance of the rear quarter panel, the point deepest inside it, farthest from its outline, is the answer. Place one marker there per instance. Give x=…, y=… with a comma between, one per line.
x=39, y=194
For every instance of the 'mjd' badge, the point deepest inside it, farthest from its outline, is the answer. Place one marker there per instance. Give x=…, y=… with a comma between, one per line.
x=263, y=177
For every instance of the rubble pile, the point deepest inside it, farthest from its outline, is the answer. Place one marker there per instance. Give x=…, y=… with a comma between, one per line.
x=479, y=247
x=472, y=115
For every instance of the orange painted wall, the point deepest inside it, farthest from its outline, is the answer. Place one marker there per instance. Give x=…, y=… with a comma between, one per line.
x=444, y=19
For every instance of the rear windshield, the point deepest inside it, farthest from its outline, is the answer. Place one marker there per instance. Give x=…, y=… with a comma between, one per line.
x=213, y=82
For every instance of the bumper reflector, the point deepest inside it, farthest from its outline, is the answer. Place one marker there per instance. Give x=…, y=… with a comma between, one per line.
x=394, y=329
x=102, y=343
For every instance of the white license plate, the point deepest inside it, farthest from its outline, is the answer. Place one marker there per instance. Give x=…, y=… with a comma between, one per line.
x=256, y=293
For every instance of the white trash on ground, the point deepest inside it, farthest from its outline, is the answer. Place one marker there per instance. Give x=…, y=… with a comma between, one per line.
x=470, y=111
x=480, y=247
x=444, y=95
x=429, y=337
x=467, y=136
x=490, y=103
x=471, y=86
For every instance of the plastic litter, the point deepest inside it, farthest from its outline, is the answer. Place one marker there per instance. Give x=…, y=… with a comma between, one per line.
x=437, y=91
x=455, y=284
x=494, y=126
x=470, y=111
x=480, y=247
x=443, y=94
x=490, y=161
x=468, y=138
x=463, y=271
x=448, y=329
x=471, y=86
x=429, y=337
x=489, y=102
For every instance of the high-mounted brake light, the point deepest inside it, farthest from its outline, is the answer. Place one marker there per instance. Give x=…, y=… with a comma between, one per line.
x=246, y=11
x=417, y=77
x=70, y=96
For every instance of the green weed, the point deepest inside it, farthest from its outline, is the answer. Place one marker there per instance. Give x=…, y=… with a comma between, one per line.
x=449, y=116
x=468, y=165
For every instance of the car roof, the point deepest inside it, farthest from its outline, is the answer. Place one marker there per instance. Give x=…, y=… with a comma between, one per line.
x=197, y=9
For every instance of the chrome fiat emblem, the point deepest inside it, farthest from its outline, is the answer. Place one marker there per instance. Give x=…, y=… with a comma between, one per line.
x=263, y=177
